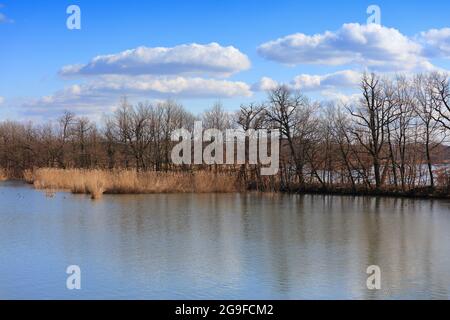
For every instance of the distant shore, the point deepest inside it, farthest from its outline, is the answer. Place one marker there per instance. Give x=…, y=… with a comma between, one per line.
x=98, y=182
x=417, y=193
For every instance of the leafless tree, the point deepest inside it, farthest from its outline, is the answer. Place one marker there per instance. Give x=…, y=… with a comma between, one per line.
x=430, y=125
x=372, y=116
x=441, y=98
x=291, y=113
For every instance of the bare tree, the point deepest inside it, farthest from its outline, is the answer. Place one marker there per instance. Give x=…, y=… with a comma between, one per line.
x=110, y=142
x=250, y=117
x=216, y=118
x=290, y=113
x=399, y=98
x=430, y=125
x=340, y=128
x=393, y=139
x=66, y=123
x=441, y=98
x=83, y=127
x=133, y=127
x=372, y=117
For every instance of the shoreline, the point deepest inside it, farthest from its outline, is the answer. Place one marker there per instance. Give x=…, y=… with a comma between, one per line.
x=96, y=183
x=373, y=193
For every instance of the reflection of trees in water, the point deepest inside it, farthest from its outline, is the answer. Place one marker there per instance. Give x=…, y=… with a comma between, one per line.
x=263, y=246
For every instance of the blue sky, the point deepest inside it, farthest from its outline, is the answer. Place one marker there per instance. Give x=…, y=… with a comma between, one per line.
x=36, y=45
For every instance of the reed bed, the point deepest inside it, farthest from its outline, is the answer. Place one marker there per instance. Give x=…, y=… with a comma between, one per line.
x=99, y=182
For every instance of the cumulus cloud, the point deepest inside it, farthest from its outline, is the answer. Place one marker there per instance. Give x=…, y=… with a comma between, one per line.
x=80, y=99
x=102, y=94
x=149, y=73
x=341, y=98
x=307, y=82
x=373, y=46
x=173, y=86
x=187, y=59
x=436, y=42
x=265, y=84
x=340, y=79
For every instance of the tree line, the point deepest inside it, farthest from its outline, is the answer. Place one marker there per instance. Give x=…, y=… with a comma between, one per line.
x=392, y=138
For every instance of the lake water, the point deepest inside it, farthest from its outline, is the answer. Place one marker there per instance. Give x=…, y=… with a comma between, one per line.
x=229, y=246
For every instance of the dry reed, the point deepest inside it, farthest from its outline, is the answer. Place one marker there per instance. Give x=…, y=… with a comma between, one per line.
x=98, y=182
x=28, y=176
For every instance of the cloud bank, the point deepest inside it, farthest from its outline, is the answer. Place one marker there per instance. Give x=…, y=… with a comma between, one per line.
x=306, y=82
x=187, y=59
x=104, y=93
x=186, y=71
x=436, y=42
x=372, y=46
x=340, y=79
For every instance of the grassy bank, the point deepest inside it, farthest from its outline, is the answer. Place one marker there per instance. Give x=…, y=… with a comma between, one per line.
x=99, y=182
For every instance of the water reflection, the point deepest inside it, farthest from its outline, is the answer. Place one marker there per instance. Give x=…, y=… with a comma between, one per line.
x=230, y=246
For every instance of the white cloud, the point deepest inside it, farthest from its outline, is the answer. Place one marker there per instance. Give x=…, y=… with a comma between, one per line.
x=148, y=74
x=102, y=94
x=187, y=59
x=265, y=84
x=2, y=100
x=306, y=82
x=173, y=86
x=436, y=42
x=340, y=79
x=339, y=97
x=372, y=46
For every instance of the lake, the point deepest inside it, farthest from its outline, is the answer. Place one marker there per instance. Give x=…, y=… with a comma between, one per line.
x=221, y=246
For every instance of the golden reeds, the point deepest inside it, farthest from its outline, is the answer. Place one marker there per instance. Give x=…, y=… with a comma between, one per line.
x=28, y=176
x=98, y=182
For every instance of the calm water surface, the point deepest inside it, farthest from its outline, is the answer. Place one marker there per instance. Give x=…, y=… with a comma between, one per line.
x=221, y=246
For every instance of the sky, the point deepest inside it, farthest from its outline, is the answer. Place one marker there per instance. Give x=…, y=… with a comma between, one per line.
x=202, y=52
